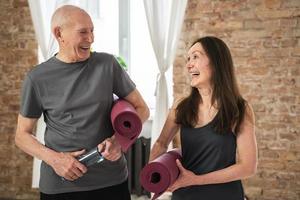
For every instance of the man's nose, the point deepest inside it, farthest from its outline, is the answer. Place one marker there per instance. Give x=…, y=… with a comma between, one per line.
x=90, y=38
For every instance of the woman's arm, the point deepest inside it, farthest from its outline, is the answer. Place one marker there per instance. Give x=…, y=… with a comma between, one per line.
x=167, y=134
x=244, y=168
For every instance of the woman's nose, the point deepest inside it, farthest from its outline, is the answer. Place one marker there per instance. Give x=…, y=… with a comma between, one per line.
x=189, y=65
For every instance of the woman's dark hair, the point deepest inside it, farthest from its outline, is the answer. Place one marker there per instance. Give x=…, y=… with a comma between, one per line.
x=231, y=105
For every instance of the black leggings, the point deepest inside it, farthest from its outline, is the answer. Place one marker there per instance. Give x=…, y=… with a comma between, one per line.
x=118, y=192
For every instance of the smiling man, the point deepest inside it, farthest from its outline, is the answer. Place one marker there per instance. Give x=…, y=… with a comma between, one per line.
x=74, y=91
x=73, y=29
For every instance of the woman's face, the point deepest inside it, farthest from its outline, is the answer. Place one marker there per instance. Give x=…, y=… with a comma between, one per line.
x=198, y=67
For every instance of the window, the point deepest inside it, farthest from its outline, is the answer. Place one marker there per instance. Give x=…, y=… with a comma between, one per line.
x=143, y=65
x=124, y=32
x=121, y=29
x=106, y=28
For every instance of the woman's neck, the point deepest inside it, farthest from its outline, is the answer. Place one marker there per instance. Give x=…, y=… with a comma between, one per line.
x=206, y=95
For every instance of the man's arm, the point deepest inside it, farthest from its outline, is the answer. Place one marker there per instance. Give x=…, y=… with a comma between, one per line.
x=64, y=164
x=110, y=148
x=139, y=104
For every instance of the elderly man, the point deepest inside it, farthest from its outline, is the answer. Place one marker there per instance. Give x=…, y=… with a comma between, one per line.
x=74, y=90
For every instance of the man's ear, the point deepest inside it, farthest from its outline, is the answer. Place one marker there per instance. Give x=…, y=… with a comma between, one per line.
x=57, y=33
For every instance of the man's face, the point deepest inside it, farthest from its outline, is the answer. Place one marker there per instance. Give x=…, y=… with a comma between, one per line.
x=77, y=37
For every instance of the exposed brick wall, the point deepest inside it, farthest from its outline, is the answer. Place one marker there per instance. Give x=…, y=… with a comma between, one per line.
x=264, y=39
x=263, y=36
x=18, y=53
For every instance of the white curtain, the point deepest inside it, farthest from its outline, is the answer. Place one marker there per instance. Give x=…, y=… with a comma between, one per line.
x=41, y=12
x=165, y=18
x=43, y=35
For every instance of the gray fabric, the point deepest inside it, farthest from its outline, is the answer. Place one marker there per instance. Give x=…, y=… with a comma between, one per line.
x=76, y=100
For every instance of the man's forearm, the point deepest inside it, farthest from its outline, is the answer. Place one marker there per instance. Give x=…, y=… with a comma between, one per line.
x=143, y=113
x=30, y=145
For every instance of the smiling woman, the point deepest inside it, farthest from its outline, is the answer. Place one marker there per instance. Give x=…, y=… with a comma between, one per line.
x=215, y=123
x=198, y=65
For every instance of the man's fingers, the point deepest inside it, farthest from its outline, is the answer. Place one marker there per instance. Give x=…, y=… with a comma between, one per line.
x=110, y=150
x=101, y=147
x=69, y=176
x=81, y=167
x=73, y=174
x=113, y=157
x=107, y=147
x=77, y=172
x=77, y=153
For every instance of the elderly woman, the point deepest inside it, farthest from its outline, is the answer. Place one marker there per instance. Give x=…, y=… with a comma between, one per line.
x=215, y=123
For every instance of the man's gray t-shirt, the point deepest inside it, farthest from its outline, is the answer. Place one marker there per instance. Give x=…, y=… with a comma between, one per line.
x=76, y=100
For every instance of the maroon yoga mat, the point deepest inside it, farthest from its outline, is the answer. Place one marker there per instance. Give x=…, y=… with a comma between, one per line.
x=160, y=173
x=126, y=123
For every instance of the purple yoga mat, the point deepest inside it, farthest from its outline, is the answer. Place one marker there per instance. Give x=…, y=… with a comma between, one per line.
x=161, y=173
x=126, y=123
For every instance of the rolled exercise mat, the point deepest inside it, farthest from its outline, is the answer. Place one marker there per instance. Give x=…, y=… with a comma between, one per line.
x=127, y=126
x=126, y=123
x=160, y=173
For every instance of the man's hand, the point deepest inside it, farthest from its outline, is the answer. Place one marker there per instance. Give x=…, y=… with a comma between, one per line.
x=67, y=166
x=110, y=149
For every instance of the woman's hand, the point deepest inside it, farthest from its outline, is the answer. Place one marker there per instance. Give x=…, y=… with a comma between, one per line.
x=184, y=179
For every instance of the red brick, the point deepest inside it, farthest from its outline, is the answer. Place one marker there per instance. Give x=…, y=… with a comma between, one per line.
x=264, y=39
x=272, y=4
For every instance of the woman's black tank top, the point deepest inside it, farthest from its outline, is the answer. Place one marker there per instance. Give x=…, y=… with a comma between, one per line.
x=204, y=151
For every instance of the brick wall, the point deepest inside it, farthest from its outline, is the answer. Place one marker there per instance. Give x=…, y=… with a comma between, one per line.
x=263, y=36
x=18, y=53
x=264, y=39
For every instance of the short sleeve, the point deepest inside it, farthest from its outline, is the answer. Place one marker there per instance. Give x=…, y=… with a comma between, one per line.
x=30, y=102
x=122, y=84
